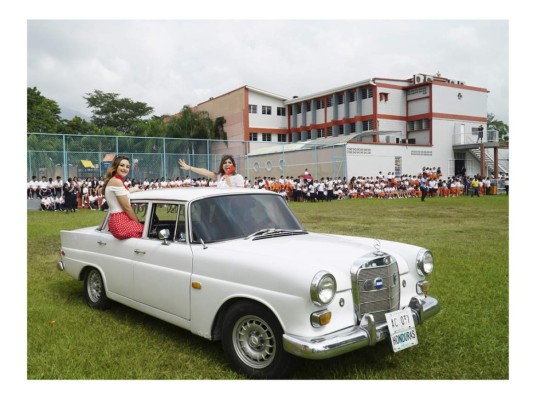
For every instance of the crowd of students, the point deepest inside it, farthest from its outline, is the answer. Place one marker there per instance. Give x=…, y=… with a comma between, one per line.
x=75, y=193
x=381, y=186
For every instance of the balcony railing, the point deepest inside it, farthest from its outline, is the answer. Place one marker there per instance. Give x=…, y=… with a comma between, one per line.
x=472, y=138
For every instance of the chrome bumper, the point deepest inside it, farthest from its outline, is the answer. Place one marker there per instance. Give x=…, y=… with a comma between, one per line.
x=368, y=333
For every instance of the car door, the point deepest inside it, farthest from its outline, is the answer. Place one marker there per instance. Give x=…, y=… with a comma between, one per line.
x=162, y=268
x=115, y=256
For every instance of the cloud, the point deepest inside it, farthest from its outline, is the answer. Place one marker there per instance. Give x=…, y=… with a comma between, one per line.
x=168, y=64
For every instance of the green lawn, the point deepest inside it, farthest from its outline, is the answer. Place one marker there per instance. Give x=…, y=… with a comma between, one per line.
x=468, y=340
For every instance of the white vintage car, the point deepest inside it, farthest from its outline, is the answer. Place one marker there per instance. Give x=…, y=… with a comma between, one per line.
x=236, y=265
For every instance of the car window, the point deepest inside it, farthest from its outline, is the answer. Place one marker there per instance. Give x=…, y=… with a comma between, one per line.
x=169, y=216
x=140, y=210
x=229, y=217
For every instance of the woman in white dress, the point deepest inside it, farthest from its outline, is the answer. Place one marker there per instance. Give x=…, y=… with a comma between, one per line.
x=226, y=176
x=123, y=222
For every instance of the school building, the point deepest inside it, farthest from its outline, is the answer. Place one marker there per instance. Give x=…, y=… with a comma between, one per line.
x=377, y=124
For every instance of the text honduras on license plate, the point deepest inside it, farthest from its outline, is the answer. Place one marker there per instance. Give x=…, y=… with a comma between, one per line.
x=402, y=329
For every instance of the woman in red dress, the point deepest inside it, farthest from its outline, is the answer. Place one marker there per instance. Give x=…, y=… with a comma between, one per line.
x=123, y=222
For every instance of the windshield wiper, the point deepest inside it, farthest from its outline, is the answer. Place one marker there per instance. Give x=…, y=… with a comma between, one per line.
x=276, y=231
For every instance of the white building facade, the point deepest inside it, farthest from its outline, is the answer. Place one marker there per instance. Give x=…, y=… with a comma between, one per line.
x=390, y=125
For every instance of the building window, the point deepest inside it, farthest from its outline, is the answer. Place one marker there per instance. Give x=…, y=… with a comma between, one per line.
x=281, y=111
x=253, y=136
x=330, y=101
x=299, y=108
x=308, y=106
x=341, y=129
x=299, y=137
x=367, y=93
x=418, y=90
x=368, y=125
x=330, y=131
x=417, y=125
x=397, y=166
x=282, y=137
x=319, y=104
x=266, y=110
x=352, y=127
x=340, y=98
x=252, y=109
x=320, y=132
x=267, y=137
x=353, y=96
x=383, y=96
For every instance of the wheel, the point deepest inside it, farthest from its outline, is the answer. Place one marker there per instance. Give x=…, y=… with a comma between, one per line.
x=252, y=342
x=94, y=290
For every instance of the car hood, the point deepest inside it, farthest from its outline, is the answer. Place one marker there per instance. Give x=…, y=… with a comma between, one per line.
x=305, y=255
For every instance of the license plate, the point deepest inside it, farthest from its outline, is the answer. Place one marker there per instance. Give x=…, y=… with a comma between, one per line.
x=402, y=329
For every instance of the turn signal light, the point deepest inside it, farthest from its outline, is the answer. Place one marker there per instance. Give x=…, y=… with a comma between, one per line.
x=320, y=318
x=423, y=287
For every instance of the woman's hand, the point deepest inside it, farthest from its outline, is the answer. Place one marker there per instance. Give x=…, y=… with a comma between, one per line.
x=183, y=165
x=228, y=180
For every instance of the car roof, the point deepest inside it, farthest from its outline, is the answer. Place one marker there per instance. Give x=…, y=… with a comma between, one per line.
x=192, y=193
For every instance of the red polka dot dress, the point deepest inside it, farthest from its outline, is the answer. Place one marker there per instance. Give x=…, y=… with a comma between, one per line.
x=123, y=227
x=120, y=224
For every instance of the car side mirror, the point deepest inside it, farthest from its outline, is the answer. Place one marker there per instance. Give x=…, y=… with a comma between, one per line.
x=163, y=235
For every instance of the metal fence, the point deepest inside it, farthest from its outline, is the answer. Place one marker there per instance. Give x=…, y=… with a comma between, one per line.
x=88, y=156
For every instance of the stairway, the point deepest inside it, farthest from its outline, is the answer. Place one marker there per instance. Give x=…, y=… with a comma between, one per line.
x=489, y=160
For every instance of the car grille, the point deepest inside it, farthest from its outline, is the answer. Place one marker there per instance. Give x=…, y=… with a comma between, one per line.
x=376, y=286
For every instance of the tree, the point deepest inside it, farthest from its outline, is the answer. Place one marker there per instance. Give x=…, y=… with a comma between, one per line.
x=501, y=127
x=190, y=124
x=78, y=125
x=44, y=152
x=43, y=115
x=218, y=127
x=109, y=110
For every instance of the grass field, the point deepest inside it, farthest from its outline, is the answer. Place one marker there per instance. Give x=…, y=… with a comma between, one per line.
x=468, y=340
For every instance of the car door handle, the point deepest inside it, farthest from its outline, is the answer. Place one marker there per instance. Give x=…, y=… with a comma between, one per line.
x=101, y=243
x=137, y=251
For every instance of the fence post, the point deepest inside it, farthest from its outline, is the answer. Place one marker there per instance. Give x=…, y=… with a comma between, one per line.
x=164, y=158
x=316, y=162
x=65, y=160
x=208, y=151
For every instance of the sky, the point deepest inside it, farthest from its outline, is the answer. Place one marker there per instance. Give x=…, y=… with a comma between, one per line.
x=171, y=63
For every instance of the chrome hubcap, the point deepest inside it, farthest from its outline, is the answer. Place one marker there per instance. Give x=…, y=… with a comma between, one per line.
x=254, y=342
x=94, y=286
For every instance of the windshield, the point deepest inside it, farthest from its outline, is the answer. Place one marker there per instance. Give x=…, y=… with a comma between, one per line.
x=237, y=216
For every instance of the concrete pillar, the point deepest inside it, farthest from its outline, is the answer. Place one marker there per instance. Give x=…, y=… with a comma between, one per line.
x=496, y=168
x=482, y=160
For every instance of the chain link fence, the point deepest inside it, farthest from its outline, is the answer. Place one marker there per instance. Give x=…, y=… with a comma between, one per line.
x=87, y=156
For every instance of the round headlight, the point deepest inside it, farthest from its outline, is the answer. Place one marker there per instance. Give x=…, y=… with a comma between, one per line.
x=424, y=262
x=323, y=288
